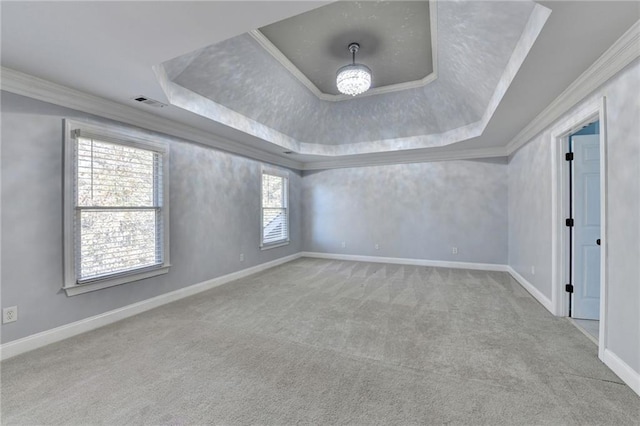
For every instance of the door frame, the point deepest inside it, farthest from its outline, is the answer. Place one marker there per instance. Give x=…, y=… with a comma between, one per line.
x=560, y=192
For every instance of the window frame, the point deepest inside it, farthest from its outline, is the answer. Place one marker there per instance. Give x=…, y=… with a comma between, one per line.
x=284, y=175
x=125, y=137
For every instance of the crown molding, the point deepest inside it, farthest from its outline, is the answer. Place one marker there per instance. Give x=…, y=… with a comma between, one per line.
x=624, y=51
x=405, y=157
x=33, y=87
x=266, y=44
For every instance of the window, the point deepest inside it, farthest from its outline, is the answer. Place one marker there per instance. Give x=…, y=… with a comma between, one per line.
x=116, y=224
x=275, y=215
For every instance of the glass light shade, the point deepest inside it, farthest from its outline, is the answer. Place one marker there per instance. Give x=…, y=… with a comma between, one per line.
x=353, y=79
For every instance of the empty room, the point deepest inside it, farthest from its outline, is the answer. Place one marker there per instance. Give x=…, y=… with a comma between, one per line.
x=320, y=212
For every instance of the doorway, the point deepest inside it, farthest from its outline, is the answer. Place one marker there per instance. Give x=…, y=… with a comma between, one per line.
x=583, y=156
x=565, y=240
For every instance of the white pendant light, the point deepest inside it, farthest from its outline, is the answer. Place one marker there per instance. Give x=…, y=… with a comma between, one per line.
x=353, y=79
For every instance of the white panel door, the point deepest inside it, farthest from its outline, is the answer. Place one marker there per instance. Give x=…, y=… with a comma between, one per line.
x=586, y=214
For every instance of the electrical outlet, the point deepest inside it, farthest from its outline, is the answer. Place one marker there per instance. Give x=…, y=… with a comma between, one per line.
x=454, y=250
x=10, y=314
x=533, y=270
x=344, y=244
x=241, y=257
x=377, y=246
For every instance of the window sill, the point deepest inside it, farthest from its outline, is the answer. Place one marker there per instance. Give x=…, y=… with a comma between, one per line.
x=74, y=290
x=274, y=245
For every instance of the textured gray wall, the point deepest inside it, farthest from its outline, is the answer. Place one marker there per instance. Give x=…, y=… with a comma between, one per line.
x=417, y=211
x=214, y=217
x=530, y=212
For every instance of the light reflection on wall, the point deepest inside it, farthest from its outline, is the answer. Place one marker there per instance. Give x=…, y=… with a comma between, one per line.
x=417, y=211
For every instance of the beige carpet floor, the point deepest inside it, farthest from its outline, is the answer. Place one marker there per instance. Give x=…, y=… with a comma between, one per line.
x=328, y=342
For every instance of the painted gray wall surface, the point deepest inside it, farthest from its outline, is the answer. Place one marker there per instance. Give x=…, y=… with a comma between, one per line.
x=530, y=211
x=417, y=211
x=214, y=209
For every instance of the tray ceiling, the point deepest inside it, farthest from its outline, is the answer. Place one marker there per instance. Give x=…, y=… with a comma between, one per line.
x=101, y=75
x=394, y=37
x=481, y=46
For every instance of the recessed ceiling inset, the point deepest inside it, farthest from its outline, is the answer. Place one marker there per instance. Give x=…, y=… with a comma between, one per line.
x=395, y=39
x=238, y=83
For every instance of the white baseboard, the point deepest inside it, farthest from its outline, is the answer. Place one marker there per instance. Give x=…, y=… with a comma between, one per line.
x=537, y=294
x=611, y=360
x=38, y=340
x=404, y=261
x=622, y=370
x=29, y=343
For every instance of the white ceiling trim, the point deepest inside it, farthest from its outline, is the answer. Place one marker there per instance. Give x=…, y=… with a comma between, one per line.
x=624, y=51
x=434, y=140
x=26, y=85
x=529, y=35
x=189, y=100
x=618, y=56
x=184, y=98
x=406, y=157
x=266, y=44
x=43, y=90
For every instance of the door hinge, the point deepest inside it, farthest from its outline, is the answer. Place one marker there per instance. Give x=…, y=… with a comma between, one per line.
x=568, y=222
x=568, y=288
x=568, y=156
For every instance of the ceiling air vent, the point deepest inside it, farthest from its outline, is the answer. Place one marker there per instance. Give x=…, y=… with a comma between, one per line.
x=150, y=102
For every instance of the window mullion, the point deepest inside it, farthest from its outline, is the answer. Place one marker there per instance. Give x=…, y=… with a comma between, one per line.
x=118, y=208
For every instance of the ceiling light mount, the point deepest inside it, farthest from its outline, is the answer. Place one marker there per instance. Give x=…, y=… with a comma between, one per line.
x=353, y=48
x=353, y=79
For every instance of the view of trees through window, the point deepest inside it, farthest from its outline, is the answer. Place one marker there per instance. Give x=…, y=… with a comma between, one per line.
x=274, y=209
x=117, y=214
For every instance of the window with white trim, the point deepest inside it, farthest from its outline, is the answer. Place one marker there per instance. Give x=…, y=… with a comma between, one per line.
x=116, y=222
x=275, y=213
